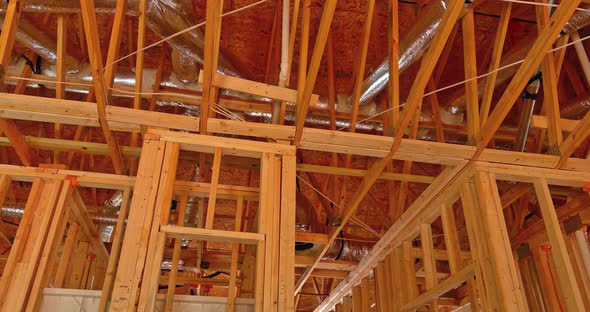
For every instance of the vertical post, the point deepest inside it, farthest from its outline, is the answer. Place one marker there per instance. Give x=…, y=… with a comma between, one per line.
x=287, y=235
x=64, y=263
x=231, y=299
x=155, y=247
x=48, y=257
x=488, y=232
x=133, y=251
x=181, y=208
x=565, y=273
x=109, y=280
x=21, y=266
x=213, y=188
x=429, y=261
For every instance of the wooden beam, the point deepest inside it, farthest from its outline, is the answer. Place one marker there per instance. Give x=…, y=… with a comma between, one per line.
x=213, y=190
x=211, y=54
x=571, y=208
x=60, y=68
x=112, y=265
x=181, y=208
x=256, y=88
x=451, y=283
x=471, y=93
x=50, y=248
x=127, y=119
x=364, y=47
x=11, y=18
x=429, y=262
x=287, y=233
x=138, y=74
x=429, y=61
x=102, y=89
x=87, y=226
x=24, y=152
x=304, y=95
x=211, y=235
x=134, y=248
x=361, y=173
x=234, y=258
x=566, y=125
x=550, y=96
x=565, y=274
x=393, y=45
x=115, y=43
x=488, y=93
x=574, y=140
x=533, y=59
x=443, y=188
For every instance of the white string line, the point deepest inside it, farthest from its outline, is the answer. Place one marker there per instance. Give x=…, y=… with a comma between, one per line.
x=318, y=191
x=50, y=81
x=541, y=4
x=184, y=31
x=468, y=80
x=372, y=116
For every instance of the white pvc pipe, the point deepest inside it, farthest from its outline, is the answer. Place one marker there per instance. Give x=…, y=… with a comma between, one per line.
x=584, y=250
x=284, y=58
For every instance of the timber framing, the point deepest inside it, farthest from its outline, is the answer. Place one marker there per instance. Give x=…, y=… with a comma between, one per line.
x=464, y=225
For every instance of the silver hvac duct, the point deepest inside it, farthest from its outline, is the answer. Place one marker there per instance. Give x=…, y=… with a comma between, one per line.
x=340, y=249
x=576, y=108
x=412, y=47
x=164, y=18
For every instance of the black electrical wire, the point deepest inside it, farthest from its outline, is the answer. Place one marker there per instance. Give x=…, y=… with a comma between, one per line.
x=212, y=275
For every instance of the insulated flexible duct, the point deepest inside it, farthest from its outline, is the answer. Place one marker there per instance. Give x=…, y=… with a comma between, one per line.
x=417, y=40
x=164, y=18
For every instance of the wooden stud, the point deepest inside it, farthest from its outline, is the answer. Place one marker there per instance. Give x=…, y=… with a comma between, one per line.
x=357, y=299
x=140, y=212
x=48, y=257
x=22, y=263
x=304, y=94
x=213, y=191
x=364, y=47
x=181, y=208
x=68, y=249
x=393, y=43
x=234, y=259
x=156, y=240
x=287, y=233
x=365, y=300
x=60, y=68
x=138, y=74
x=471, y=93
x=112, y=265
x=429, y=262
x=550, y=96
x=499, y=40
x=211, y=54
x=101, y=87
x=574, y=140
